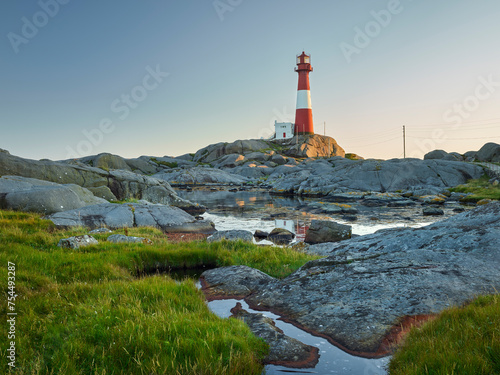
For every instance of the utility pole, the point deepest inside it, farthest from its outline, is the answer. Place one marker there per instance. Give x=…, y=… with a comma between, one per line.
x=324, y=128
x=404, y=142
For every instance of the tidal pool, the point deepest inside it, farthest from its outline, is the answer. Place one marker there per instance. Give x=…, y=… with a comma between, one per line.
x=332, y=359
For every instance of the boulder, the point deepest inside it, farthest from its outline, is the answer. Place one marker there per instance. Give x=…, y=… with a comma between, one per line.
x=490, y=152
x=167, y=218
x=283, y=350
x=233, y=281
x=436, y=154
x=454, y=156
x=108, y=161
x=230, y=161
x=367, y=287
x=121, y=238
x=103, y=192
x=327, y=231
x=32, y=195
x=470, y=156
x=231, y=235
x=77, y=242
x=260, y=234
x=278, y=159
x=143, y=165
x=281, y=236
x=257, y=156
x=432, y=211
x=307, y=146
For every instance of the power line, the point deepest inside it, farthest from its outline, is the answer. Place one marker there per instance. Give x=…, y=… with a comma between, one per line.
x=455, y=139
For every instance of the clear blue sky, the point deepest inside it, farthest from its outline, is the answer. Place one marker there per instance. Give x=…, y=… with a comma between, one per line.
x=433, y=66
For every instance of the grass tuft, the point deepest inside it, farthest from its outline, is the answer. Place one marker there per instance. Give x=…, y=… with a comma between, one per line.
x=462, y=340
x=479, y=189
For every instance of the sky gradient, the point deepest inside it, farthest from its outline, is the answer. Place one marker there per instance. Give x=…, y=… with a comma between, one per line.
x=170, y=77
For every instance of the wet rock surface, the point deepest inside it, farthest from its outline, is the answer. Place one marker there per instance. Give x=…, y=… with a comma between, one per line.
x=369, y=284
x=284, y=350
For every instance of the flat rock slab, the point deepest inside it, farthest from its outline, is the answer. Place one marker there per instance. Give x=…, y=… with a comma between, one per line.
x=77, y=242
x=127, y=215
x=370, y=284
x=121, y=238
x=231, y=235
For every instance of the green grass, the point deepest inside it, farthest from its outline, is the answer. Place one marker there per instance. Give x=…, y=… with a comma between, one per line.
x=480, y=189
x=165, y=163
x=87, y=311
x=461, y=341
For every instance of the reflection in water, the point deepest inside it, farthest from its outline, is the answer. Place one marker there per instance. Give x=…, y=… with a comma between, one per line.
x=332, y=360
x=252, y=210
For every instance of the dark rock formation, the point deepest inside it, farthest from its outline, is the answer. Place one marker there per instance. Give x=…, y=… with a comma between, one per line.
x=280, y=236
x=327, y=231
x=284, y=350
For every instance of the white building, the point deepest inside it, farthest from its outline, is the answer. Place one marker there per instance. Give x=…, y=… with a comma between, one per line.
x=289, y=225
x=284, y=130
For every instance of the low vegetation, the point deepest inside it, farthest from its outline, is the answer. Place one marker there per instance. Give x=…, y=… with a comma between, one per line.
x=479, y=189
x=461, y=340
x=166, y=163
x=104, y=309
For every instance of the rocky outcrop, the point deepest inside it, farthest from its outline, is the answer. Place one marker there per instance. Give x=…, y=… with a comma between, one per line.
x=32, y=195
x=167, y=218
x=311, y=146
x=200, y=176
x=368, y=285
x=327, y=231
x=106, y=162
x=304, y=146
x=123, y=184
x=490, y=152
x=337, y=175
x=283, y=350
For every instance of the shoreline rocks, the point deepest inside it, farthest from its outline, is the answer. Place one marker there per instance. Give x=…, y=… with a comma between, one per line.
x=127, y=215
x=367, y=285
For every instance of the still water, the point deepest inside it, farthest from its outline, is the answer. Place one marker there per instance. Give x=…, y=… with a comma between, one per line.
x=258, y=210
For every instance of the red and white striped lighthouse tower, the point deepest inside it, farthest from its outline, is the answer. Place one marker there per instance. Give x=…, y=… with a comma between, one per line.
x=303, y=115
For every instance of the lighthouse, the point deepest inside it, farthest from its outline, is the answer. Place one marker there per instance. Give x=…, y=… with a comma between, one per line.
x=303, y=114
